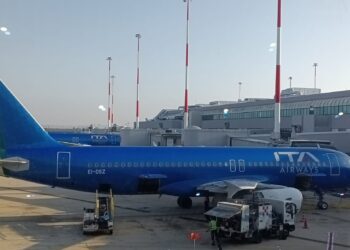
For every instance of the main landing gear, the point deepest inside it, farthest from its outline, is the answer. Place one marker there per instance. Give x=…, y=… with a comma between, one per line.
x=321, y=204
x=184, y=202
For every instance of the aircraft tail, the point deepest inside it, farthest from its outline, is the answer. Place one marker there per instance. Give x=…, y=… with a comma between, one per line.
x=17, y=127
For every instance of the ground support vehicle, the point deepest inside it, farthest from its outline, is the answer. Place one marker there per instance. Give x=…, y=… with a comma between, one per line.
x=100, y=218
x=254, y=220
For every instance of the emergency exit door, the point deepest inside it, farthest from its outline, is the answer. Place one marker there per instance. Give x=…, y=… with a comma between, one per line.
x=63, y=165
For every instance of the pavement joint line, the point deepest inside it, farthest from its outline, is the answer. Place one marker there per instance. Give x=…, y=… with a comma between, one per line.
x=318, y=241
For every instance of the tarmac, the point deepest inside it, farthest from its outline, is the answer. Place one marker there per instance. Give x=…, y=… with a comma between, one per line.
x=34, y=216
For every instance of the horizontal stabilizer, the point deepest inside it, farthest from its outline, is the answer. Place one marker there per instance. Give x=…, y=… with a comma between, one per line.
x=15, y=164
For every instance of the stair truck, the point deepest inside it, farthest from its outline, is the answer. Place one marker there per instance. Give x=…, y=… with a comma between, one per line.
x=100, y=218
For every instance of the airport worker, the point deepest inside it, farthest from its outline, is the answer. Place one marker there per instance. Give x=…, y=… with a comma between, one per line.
x=214, y=232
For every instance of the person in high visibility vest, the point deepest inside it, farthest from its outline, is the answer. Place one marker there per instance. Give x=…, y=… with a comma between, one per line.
x=214, y=232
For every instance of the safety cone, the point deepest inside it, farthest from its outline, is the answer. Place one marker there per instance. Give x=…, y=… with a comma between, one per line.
x=302, y=218
x=305, y=224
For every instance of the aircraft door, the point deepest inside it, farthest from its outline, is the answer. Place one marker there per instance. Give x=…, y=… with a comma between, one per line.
x=241, y=165
x=63, y=165
x=232, y=165
x=334, y=165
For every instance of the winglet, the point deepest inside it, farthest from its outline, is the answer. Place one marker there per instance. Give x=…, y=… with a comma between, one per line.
x=17, y=126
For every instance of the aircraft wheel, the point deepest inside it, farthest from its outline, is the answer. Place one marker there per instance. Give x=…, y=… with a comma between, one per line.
x=184, y=202
x=322, y=205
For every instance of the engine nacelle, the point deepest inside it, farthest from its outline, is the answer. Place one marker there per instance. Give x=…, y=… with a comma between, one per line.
x=284, y=194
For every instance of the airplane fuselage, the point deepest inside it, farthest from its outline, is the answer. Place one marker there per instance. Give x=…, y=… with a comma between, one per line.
x=178, y=170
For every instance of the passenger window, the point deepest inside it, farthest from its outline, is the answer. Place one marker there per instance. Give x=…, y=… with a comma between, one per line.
x=129, y=164
x=123, y=164
x=116, y=164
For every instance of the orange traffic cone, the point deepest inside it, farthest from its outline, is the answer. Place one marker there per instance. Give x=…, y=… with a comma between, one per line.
x=305, y=224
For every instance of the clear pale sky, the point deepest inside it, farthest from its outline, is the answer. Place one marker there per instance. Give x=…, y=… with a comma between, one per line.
x=55, y=58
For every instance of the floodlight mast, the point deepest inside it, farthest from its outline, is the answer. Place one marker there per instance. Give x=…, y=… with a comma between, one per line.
x=277, y=126
x=137, y=125
x=112, y=108
x=186, y=117
x=239, y=90
x=315, y=66
x=109, y=59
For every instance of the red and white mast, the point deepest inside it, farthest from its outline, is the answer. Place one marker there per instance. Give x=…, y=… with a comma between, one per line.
x=278, y=76
x=186, y=122
x=112, y=108
x=138, y=36
x=109, y=59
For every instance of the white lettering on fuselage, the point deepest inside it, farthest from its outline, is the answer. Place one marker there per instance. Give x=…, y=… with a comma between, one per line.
x=297, y=161
x=301, y=156
x=99, y=138
x=97, y=171
x=299, y=170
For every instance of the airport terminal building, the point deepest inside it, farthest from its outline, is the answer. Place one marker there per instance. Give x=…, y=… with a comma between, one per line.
x=302, y=109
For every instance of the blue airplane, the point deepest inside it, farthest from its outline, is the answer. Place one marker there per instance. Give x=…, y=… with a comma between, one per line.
x=28, y=152
x=87, y=138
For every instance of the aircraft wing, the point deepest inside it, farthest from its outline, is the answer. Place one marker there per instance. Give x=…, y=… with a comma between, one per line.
x=232, y=186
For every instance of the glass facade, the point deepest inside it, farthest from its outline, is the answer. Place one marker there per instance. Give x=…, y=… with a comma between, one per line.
x=287, y=112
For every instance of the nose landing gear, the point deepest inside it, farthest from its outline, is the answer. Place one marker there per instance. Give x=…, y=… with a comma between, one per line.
x=321, y=204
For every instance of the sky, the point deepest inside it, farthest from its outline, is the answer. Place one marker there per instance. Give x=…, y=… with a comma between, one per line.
x=54, y=60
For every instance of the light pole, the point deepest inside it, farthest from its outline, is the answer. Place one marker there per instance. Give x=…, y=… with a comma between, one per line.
x=315, y=66
x=239, y=90
x=290, y=82
x=138, y=36
x=109, y=59
x=186, y=73
x=278, y=74
x=112, y=115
